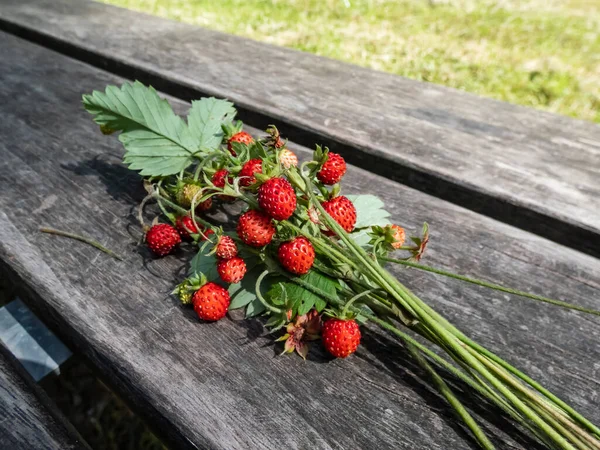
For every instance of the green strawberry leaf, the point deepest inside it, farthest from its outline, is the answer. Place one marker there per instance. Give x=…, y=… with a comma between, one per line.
x=257, y=151
x=301, y=299
x=243, y=293
x=205, y=264
x=206, y=119
x=361, y=237
x=278, y=295
x=369, y=210
x=362, y=319
x=157, y=141
x=254, y=308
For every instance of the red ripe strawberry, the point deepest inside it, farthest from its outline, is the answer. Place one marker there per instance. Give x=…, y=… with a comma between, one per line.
x=211, y=302
x=342, y=211
x=340, y=337
x=231, y=270
x=333, y=170
x=399, y=236
x=162, y=239
x=205, y=205
x=226, y=248
x=255, y=228
x=205, y=233
x=288, y=158
x=278, y=198
x=297, y=256
x=248, y=170
x=242, y=137
x=185, y=225
x=218, y=179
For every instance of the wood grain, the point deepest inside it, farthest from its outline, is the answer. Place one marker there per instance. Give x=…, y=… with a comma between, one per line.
x=28, y=419
x=535, y=170
x=222, y=385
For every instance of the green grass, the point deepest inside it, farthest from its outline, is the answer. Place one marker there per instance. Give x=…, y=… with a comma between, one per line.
x=539, y=53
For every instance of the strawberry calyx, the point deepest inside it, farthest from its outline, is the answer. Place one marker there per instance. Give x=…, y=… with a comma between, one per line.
x=185, y=290
x=421, y=243
x=231, y=128
x=304, y=329
x=387, y=239
x=273, y=138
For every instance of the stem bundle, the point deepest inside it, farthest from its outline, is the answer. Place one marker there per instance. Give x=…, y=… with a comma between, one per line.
x=549, y=418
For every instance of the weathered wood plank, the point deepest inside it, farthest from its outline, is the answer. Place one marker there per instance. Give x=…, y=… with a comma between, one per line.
x=28, y=420
x=535, y=170
x=221, y=385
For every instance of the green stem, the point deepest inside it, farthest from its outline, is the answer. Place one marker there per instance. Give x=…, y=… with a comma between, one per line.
x=472, y=361
x=353, y=299
x=486, y=284
x=375, y=244
x=557, y=414
x=159, y=201
x=140, y=215
x=81, y=239
x=565, y=432
x=415, y=305
x=171, y=205
x=452, y=399
x=207, y=225
x=323, y=246
x=180, y=210
x=203, y=163
x=444, y=331
x=261, y=298
x=480, y=388
x=514, y=371
x=323, y=190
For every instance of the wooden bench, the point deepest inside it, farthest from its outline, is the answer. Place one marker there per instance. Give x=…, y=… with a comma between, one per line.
x=28, y=419
x=532, y=170
x=221, y=385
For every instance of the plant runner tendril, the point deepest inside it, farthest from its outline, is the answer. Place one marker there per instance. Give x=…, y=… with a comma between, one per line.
x=81, y=239
x=493, y=286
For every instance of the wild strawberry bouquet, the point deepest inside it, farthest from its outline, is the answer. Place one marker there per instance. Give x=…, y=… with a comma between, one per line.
x=304, y=255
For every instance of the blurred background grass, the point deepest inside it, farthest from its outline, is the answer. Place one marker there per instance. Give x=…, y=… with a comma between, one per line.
x=539, y=53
